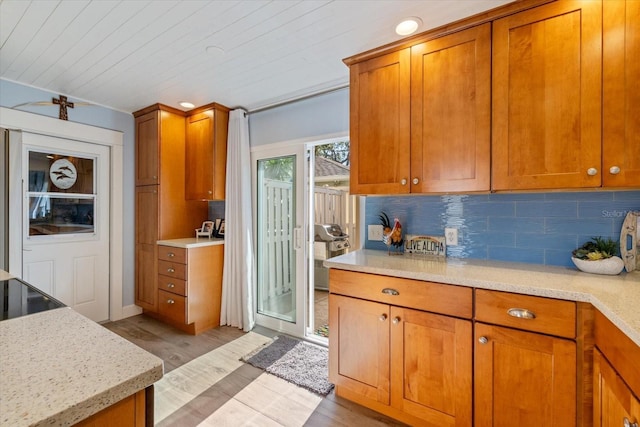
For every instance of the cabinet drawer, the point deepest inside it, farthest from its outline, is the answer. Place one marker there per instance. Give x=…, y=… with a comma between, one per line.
x=537, y=314
x=170, y=253
x=172, y=306
x=427, y=296
x=173, y=285
x=172, y=269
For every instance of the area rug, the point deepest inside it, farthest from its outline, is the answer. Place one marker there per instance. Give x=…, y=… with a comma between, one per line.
x=296, y=361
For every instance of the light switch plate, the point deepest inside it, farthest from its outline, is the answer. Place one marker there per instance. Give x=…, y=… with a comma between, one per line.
x=451, y=236
x=375, y=232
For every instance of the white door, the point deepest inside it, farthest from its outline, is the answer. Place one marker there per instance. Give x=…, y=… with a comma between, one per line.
x=279, y=177
x=65, y=222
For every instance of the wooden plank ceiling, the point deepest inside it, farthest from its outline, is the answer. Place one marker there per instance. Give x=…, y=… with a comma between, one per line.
x=132, y=53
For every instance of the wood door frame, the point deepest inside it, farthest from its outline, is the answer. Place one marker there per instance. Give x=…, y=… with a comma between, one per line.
x=34, y=123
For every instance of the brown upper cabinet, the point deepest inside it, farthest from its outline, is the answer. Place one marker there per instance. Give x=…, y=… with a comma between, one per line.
x=533, y=95
x=420, y=117
x=451, y=112
x=621, y=126
x=206, y=152
x=380, y=124
x=147, y=149
x=547, y=101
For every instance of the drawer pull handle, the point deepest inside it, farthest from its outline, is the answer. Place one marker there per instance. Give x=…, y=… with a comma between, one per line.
x=170, y=254
x=521, y=313
x=627, y=423
x=383, y=317
x=170, y=301
x=483, y=340
x=170, y=285
x=396, y=320
x=390, y=291
x=171, y=270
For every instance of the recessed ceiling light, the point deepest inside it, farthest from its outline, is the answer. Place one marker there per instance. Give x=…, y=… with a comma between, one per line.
x=408, y=26
x=187, y=105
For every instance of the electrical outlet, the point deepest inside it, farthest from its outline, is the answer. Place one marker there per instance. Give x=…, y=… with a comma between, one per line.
x=451, y=236
x=375, y=232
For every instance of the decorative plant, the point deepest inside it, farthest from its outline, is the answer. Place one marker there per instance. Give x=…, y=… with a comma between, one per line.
x=596, y=249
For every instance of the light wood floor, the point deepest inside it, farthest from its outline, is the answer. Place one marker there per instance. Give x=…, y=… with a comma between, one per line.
x=243, y=394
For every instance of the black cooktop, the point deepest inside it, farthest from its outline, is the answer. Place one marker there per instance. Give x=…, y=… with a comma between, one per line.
x=19, y=299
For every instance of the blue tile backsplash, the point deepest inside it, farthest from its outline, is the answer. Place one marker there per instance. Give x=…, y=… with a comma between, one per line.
x=538, y=228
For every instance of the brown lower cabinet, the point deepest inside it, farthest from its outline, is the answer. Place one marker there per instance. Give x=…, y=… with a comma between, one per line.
x=189, y=285
x=432, y=354
x=412, y=365
x=614, y=403
x=523, y=378
x=129, y=412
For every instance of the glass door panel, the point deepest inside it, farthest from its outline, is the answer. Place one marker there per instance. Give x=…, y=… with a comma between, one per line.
x=276, y=186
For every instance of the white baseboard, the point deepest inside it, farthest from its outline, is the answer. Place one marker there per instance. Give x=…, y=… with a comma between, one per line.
x=130, y=310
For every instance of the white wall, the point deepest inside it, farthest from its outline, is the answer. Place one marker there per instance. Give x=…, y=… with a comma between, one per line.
x=320, y=116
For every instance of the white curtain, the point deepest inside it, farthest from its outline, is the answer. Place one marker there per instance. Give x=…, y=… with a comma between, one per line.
x=238, y=277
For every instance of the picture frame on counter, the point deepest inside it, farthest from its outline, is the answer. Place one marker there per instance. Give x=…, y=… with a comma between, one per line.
x=207, y=230
x=219, y=228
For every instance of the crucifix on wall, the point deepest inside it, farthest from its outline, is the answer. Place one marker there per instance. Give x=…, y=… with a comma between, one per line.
x=63, y=106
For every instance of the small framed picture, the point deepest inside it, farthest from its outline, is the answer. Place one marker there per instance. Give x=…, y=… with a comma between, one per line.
x=206, y=230
x=220, y=230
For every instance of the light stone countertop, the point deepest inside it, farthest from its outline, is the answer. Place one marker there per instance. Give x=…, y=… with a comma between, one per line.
x=5, y=276
x=617, y=297
x=57, y=368
x=191, y=242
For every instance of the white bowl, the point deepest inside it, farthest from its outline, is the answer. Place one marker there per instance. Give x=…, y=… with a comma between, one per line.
x=610, y=266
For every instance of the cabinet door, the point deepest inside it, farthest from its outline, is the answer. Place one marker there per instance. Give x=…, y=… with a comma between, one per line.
x=206, y=155
x=523, y=379
x=547, y=97
x=147, y=214
x=380, y=124
x=147, y=157
x=431, y=366
x=199, y=156
x=451, y=112
x=146, y=288
x=359, y=347
x=621, y=68
x=613, y=401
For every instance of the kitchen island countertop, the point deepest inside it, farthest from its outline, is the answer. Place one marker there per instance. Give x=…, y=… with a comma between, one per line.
x=617, y=297
x=57, y=368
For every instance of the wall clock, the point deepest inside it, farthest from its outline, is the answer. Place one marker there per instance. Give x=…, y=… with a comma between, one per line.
x=63, y=174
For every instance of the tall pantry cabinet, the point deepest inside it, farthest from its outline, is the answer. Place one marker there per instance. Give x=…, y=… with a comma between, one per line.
x=162, y=212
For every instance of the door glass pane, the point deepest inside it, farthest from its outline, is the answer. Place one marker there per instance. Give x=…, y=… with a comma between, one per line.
x=276, y=222
x=57, y=173
x=61, y=194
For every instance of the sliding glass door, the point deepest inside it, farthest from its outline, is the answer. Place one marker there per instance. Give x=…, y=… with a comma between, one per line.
x=280, y=242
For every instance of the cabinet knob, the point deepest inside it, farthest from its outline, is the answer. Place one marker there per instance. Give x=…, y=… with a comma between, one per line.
x=210, y=192
x=396, y=320
x=415, y=181
x=155, y=177
x=171, y=285
x=521, y=313
x=383, y=317
x=403, y=181
x=171, y=270
x=627, y=423
x=592, y=171
x=170, y=301
x=483, y=340
x=171, y=254
x=614, y=170
x=390, y=291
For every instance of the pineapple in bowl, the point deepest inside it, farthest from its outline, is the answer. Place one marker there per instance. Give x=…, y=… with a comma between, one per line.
x=598, y=256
